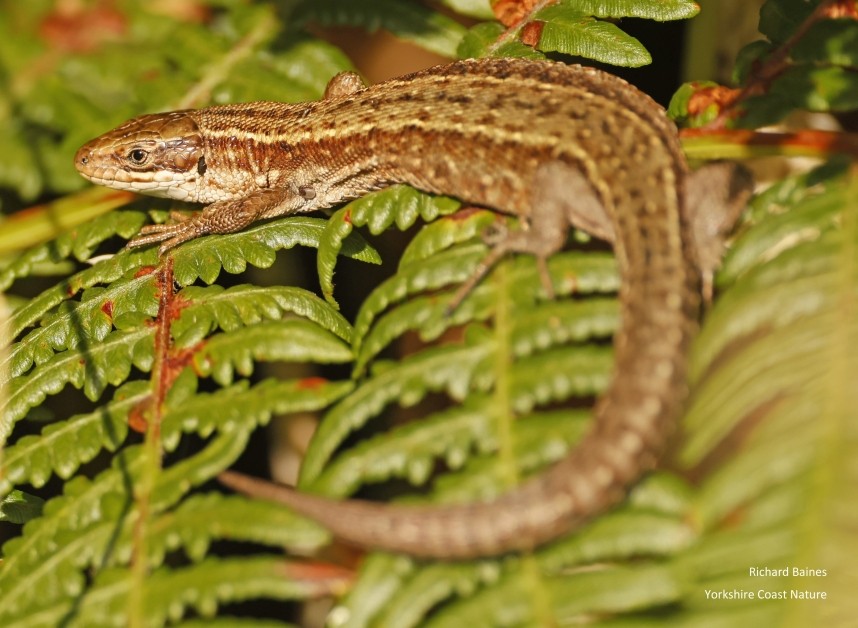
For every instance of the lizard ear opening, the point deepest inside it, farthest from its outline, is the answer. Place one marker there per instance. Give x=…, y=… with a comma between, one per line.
x=201, y=165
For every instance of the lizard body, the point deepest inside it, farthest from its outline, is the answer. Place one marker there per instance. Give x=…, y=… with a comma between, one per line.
x=556, y=145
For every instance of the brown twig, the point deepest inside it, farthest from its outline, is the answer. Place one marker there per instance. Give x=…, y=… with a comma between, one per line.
x=805, y=142
x=777, y=61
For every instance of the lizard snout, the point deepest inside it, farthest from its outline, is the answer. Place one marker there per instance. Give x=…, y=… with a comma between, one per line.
x=83, y=158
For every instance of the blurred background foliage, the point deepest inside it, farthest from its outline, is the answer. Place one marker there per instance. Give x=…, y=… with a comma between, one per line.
x=117, y=535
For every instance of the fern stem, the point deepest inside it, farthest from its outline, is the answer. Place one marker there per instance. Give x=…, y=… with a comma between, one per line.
x=505, y=416
x=161, y=380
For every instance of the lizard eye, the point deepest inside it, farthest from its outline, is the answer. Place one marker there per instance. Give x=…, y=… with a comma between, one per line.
x=137, y=156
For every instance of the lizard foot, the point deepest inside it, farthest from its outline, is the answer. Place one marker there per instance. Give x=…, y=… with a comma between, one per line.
x=561, y=194
x=226, y=216
x=169, y=234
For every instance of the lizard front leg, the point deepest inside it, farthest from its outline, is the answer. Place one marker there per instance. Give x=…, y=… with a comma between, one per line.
x=221, y=217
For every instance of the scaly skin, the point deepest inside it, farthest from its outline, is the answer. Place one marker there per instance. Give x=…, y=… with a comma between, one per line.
x=556, y=145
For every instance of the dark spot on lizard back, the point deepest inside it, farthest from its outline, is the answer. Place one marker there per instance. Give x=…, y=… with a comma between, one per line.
x=524, y=105
x=460, y=99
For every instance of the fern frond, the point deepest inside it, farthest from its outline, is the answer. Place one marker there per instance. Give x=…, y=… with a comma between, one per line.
x=257, y=245
x=242, y=405
x=605, y=592
x=19, y=507
x=451, y=436
x=44, y=568
x=62, y=447
x=214, y=307
x=570, y=29
x=202, y=587
x=103, y=272
x=289, y=340
x=202, y=518
x=571, y=271
x=79, y=323
x=92, y=369
x=397, y=205
x=450, y=369
x=659, y=10
x=535, y=441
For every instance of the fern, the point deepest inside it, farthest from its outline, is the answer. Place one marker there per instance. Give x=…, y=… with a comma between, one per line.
x=131, y=382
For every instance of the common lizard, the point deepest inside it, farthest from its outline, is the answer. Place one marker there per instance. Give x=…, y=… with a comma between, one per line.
x=554, y=144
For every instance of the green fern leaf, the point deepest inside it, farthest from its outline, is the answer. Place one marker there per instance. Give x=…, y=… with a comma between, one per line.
x=572, y=31
x=449, y=267
x=169, y=594
x=398, y=204
x=63, y=446
x=199, y=259
x=659, y=10
x=80, y=243
x=43, y=570
x=451, y=435
x=430, y=315
x=91, y=368
x=624, y=535
x=550, y=324
x=558, y=374
x=105, y=271
x=535, y=441
x=607, y=591
x=212, y=307
x=202, y=518
x=380, y=576
x=85, y=322
x=19, y=507
x=288, y=340
x=464, y=225
x=452, y=369
x=38, y=570
x=481, y=41
x=414, y=599
x=240, y=405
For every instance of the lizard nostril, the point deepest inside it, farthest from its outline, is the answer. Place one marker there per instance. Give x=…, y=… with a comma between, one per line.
x=83, y=156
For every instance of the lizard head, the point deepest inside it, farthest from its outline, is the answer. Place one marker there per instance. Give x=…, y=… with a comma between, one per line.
x=158, y=154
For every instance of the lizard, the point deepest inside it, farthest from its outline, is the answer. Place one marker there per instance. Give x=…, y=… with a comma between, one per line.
x=555, y=145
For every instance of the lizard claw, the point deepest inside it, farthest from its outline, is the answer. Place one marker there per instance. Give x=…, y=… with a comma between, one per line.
x=169, y=235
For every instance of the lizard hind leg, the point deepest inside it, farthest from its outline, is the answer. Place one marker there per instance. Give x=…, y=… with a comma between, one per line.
x=562, y=197
x=715, y=196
